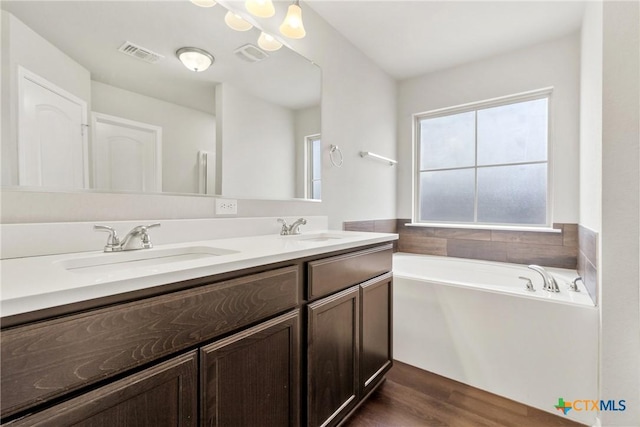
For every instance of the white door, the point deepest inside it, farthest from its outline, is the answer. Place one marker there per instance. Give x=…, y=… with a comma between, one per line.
x=52, y=143
x=127, y=155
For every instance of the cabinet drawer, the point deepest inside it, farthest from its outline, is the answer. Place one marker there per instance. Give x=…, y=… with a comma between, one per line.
x=163, y=395
x=47, y=359
x=332, y=274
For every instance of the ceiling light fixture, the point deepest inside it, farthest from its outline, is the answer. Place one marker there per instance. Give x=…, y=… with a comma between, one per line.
x=268, y=42
x=236, y=22
x=195, y=59
x=292, y=26
x=204, y=3
x=260, y=8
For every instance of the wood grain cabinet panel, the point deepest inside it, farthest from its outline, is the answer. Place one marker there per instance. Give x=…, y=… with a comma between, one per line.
x=48, y=359
x=375, y=327
x=335, y=273
x=165, y=395
x=332, y=357
x=252, y=378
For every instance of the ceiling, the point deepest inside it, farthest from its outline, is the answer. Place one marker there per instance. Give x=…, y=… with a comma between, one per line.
x=410, y=38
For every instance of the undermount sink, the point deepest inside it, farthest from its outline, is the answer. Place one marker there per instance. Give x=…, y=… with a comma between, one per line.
x=319, y=237
x=113, y=262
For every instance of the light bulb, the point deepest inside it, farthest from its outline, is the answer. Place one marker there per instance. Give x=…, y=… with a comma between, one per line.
x=204, y=3
x=236, y=22
x=260, y=8
x=292, y=26
x=268, y=42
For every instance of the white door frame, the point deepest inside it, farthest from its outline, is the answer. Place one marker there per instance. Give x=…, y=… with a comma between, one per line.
x=24, y=74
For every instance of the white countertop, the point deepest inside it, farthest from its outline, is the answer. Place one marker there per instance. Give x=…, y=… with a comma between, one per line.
x=40, y=282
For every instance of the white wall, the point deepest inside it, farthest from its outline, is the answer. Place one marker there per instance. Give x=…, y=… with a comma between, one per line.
x=591, y=118
x=620, y=236
x=258, y=160
x=21, y=46
x=554, y=63
x=358, y=113
x=185, y=131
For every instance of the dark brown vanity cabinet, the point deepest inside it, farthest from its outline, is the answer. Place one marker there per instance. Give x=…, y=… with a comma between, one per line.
x=165, y=395
x=348, y=332
x=252, y=378
x=222, y=350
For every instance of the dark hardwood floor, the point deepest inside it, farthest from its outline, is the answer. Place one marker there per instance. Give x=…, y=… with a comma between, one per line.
x=411, y=397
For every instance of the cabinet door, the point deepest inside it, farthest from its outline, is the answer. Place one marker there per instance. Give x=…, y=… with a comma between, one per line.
x=252, y=378
x=376, y=341
x=163, y=395
x=333, y=357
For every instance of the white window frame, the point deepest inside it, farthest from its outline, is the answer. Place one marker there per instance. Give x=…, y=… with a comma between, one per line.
x=308, y=166
x=475, y=106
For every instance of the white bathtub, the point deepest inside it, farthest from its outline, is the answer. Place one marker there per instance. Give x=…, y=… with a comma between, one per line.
x=475, y=322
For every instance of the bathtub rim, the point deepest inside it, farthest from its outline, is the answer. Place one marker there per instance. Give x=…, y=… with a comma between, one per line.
x=540, y=295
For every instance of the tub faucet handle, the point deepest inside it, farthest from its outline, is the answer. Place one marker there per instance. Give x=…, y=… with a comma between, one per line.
x=574, y=285
x=529, y=284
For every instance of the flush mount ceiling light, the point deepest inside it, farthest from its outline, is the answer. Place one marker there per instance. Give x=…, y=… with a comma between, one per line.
x=260, y=8
x=268, y=42
x=292, y=26
x=235, y=21
x=204, y=3
x=195, y=59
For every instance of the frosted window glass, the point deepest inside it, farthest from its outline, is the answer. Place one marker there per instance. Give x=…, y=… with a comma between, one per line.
x=447, y=195
x=316, y=190
x=513, y=133
x=513, y=194
x=448, y=142
x=316, y=159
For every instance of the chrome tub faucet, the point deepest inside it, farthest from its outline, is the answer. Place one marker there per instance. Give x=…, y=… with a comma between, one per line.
x=550, y=283
x=137, y=238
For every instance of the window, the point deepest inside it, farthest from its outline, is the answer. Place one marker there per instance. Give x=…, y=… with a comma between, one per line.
x=485, y=163
x=313, y=152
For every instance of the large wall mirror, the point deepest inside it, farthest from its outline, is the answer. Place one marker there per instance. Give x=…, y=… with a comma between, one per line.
x=94, y=98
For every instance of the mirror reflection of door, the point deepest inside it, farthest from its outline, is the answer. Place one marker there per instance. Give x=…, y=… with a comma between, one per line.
x=52, y=142
x=127, y=155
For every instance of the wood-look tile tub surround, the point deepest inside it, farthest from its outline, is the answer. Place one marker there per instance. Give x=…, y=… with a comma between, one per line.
x=588, y=260
x=521, y=247
x=574, y=247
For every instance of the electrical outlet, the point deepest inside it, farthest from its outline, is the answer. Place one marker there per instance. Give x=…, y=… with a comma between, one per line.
x=226, y=207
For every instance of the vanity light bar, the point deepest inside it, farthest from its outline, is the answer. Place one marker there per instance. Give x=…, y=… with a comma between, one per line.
x=140, y=52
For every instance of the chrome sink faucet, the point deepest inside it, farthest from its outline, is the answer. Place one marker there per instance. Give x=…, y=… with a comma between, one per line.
x=137, y=238
x=288, y=230
x=550, y=283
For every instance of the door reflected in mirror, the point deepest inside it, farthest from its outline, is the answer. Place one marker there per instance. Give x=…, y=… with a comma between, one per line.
x=95, y=99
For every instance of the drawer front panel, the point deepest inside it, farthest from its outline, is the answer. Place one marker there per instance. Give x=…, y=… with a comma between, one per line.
x=339, y=272
x=45, y=360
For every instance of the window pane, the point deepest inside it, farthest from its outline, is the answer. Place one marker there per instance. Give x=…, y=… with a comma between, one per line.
x=316, y=188
x=513, y=133
x=513, y=194
x=316, y=156
x=447, y=195
x=447, y=142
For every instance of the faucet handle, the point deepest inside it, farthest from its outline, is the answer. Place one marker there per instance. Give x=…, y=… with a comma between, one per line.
x=146, y=241
x=113, y=241
x=574, y=285
x=284, y=231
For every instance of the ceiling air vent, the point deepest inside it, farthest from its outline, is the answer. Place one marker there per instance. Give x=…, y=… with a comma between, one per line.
x=250, y=53
x=139, y=52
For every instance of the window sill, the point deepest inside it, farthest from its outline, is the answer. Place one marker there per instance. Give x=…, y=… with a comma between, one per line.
x=486, y=227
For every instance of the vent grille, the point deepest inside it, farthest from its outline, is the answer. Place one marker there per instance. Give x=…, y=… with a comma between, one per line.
x=141, y=53
x=250, y=53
